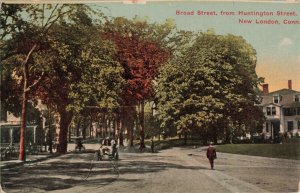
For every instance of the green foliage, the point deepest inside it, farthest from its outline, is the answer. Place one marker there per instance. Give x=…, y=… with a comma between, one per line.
x=70, y=66
x=211, y=85
x=152, y=126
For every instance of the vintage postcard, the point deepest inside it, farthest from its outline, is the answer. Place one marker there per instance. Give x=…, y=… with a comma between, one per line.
x=150, y=96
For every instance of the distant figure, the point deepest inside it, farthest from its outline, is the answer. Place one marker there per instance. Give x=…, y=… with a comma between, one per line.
x=152, y=146
x=113, y=147
x=211, y=154
x=112, y=142
x=79, y=145
x=106, y=143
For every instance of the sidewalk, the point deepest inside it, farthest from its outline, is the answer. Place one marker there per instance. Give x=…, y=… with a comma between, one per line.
x=34, y=158
x=29, y=159
x=43, y=156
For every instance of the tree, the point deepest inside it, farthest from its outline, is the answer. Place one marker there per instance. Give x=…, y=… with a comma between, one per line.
x=24, y=37
x=209, y=87
x=141, y=50
x=53, y=59
x=83, y=74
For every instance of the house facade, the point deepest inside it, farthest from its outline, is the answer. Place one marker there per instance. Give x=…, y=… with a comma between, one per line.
x=282, y=112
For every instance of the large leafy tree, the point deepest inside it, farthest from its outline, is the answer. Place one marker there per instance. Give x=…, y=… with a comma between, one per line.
x=209, y=87
x=82, y=73
x=141, y=50
x=24, y=31
x=55, y=59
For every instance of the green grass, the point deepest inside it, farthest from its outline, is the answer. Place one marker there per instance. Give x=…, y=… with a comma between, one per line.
x=168, y=143
x=290, y=150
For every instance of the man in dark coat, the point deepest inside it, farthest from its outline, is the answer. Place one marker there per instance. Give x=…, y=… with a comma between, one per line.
x=211, y=154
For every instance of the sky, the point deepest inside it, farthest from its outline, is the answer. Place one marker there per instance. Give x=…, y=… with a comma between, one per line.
x=277, y=45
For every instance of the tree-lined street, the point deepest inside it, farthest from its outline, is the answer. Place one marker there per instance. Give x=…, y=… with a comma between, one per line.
x=72, y=73
x=98, y=74
x=169, y=171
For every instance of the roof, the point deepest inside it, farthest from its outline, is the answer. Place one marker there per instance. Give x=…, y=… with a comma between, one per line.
x=274, y=104
x=287, y=99
x=284, y=91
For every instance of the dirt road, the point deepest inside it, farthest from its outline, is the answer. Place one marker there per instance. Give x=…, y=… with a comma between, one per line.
x=177, y=170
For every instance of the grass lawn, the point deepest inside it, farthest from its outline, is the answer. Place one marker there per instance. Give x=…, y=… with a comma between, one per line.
x=168, y=143
x=289, y=150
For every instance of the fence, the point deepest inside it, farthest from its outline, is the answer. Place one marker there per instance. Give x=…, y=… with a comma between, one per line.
x=11, y=151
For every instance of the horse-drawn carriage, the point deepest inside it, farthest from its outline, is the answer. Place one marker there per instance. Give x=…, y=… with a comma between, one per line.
x=108, y=148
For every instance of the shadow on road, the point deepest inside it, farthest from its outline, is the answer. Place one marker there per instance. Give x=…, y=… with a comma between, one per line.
x=78, y=169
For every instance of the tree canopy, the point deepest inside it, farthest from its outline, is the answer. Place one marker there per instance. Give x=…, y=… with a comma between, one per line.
x=63, y=55
x=211, y=86
x=62, y=60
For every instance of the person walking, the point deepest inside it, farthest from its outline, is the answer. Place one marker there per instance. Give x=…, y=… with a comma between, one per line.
x=211, y=154
x=152, y=146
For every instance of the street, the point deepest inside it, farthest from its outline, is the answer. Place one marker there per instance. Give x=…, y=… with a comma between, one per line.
x=176, y=170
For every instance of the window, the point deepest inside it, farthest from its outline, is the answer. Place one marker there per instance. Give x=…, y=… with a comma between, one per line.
x=298, y=111
x=267, y=127
x=297, y=98
x=277, y=99
x=290, y=125
x=289, y=111
x=271, y=111
x=268, y=110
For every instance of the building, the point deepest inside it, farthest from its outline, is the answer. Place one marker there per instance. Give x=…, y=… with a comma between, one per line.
x=282, y=111
x=10, y=129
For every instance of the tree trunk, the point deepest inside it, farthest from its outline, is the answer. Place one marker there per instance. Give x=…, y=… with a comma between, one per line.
x=185, y=137
x=91, y=126
x=78, y=127
x=65, y=120
x=22, y=155
x=128, y=123
x=26, y=88
x=115, y=129
x=84, y=132
x=70, y=131
x=141, y=124
x=121, y=144
x=101, y=130
x=109, y=128
x=131, y=134
x=49, y=131
x=105, y=128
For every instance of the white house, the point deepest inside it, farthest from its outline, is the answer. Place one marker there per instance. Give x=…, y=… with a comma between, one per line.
x=282, y=111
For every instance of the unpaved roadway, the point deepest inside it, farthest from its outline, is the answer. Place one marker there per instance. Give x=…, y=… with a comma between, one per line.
x=177, y=170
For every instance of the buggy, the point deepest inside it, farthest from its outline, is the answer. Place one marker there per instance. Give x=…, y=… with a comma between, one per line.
x=109, y=149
